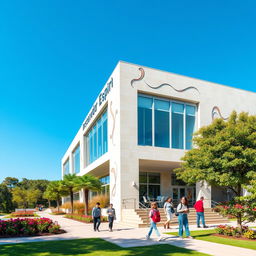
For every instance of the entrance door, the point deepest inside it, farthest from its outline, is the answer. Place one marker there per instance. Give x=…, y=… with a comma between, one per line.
x=179, y=191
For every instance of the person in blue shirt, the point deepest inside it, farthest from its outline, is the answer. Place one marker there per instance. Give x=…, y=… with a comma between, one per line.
x=96, y=215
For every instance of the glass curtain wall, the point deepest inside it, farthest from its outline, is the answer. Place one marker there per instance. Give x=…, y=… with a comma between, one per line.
x=165, y=123
x=66, y=167
x=76, y=159
x=145, y=121
x=97, y=139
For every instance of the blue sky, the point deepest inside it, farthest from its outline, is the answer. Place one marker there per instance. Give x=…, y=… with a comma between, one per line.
x=55, y=56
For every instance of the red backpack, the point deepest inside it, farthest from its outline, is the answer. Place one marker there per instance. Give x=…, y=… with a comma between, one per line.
x=156, y=216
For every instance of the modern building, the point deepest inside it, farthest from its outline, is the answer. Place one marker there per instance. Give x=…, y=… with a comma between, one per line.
x=140, y=126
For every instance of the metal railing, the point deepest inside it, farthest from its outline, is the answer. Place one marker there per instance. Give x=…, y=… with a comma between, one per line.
x=130, y=202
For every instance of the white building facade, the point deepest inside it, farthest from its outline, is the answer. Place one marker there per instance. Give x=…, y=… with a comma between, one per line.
x=140, y=126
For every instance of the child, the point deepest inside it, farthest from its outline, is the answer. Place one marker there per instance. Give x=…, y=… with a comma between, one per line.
x=111, y=216
x=96, y=214
x=154, y=216
x=182, y=211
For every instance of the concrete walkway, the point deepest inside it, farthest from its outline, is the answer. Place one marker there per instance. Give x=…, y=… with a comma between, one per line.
x=129, y=237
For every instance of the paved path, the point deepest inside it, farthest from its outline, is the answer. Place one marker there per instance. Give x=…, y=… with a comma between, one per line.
x=129, y=237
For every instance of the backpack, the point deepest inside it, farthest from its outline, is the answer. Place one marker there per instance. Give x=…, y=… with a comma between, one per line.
x=156, y=216
x=176, y=212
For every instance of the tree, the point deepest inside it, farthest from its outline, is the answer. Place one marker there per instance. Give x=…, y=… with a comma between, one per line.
x=25, y=197
x=224, y=154
x=88, y=182
x=11, y=182
x=54, y=191
x=6, y=204
x=40, y=185
x=70, y=183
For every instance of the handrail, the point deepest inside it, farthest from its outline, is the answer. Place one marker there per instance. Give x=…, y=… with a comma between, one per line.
x=129, y=199
x=214, y=203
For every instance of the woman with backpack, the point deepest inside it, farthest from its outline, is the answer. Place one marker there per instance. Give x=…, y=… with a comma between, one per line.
x=154, y=216
x=169, y=210
x=182, y=212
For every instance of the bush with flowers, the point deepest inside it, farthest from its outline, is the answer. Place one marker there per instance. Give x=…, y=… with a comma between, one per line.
x=23, y=214
x=235, y=231
x=242, y=209
x=20, y=227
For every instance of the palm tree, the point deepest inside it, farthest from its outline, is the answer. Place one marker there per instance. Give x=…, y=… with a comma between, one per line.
x=54, y=191
x=70, y=183
x=88, y=182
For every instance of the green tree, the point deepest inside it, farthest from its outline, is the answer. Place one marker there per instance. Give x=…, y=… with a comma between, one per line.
x=224, y=154
x=88, y=182
x=70, y=183
x=11, y=182
x=55, y=190
x=25, y=197
x=40, y=185
x=6, y=204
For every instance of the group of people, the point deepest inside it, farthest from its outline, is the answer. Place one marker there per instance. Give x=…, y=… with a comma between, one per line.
x=181, y=212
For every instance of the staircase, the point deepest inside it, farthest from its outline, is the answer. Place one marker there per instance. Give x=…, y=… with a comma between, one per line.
x=139, y=217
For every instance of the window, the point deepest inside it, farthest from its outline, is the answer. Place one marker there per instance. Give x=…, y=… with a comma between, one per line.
x=96, y=140
x=190, y=124
x=66, y=167
x=149, y=185
x=105, y=186
x=162, y=123
x=165, y=123
x=177, y=125
x=145, y=121
x=176, y=182
x=76, y=159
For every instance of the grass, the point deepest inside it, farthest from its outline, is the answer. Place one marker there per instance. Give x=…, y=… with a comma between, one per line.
x=2, y=213
x=90, y=247
x=206, y=235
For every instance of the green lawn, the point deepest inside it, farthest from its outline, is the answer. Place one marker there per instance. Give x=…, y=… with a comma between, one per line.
x=90, y=247
x=206, y=235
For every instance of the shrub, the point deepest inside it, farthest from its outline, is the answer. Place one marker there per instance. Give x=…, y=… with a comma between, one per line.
x=84, y=218
x=26, y=226
x=102, y=199
x=54, y=228
x=23, y=214
x=58, y=213
x=235, y=231
x=250, y=234
x=78, y=207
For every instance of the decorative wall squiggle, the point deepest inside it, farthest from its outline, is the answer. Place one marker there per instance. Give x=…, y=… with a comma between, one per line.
x=114, y=123
x=216, y=112
x=142, y=74
x=113, y=172
x=177, y=90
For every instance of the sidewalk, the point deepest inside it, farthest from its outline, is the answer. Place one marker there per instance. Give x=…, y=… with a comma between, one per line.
x=128, y=237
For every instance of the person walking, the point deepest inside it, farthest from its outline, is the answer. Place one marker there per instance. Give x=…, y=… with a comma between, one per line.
x=154, y=216
x=169, y=210
x=96, y=215
x=111, y=216
x=199, y=206
x=182, y=212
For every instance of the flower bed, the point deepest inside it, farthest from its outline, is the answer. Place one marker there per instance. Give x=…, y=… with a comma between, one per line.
x=58, y=213
x=235, y=232
x=28, y=227
x=84, y=218
x=23, y=214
